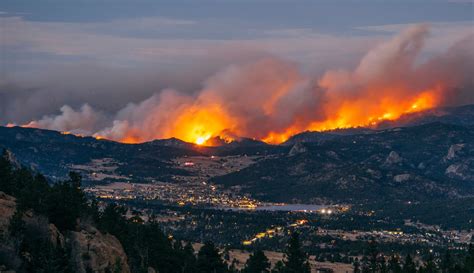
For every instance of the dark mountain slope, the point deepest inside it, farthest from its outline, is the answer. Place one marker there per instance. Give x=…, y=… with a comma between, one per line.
x=461, y=115
x=416, y=163
x=54, y=153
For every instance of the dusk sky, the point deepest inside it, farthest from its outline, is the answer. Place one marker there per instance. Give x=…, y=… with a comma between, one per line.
x=110, y=53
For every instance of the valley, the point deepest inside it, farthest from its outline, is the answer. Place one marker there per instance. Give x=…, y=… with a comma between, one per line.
x=409, y=189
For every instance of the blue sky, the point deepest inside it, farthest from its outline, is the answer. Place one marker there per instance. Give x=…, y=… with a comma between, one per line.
x=83, y=51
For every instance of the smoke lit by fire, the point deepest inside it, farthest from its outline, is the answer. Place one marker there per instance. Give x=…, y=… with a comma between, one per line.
x=271, y=99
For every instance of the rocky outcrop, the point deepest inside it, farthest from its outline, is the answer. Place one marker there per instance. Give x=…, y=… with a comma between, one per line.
x=7, y=209
x=399, y=178
x=92, y=250
x=393, y=158
x=454, y=150
x=298, y=148
x=9, y=258
x=459, y=171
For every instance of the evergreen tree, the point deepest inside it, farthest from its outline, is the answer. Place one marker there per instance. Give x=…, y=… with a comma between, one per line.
x=469, y=261
x=66, y=203
x=257, y=263
x=34, y=193
x=296, y=260
x=209, y=260
x=382, y=265
x=373, y=253
x=365, y=264
x=356, y=265
x=409, y=266
x=394, y=265
x=447, y=263
x=6, y=179
x=112, y=220
x=189, y=259
x=429, y=266
x=233, y=266
x=279, y=267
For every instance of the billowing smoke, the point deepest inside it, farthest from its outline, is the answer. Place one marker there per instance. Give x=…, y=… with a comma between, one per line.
x=84, y=121
x=271, y=99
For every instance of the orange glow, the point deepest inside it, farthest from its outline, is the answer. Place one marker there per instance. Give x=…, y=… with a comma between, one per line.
x=191, y=124
x=362, y=113
x=131, y=139
x=199, y=125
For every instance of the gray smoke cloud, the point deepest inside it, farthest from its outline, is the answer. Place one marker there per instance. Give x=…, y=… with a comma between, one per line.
x=274, y=96
x=84, y=121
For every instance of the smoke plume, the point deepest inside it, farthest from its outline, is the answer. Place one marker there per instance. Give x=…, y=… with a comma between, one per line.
x=272, y=99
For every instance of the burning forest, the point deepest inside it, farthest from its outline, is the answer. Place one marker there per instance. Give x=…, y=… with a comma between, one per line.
x=271, y=99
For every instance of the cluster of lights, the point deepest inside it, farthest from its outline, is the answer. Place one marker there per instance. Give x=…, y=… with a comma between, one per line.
x=326, y=211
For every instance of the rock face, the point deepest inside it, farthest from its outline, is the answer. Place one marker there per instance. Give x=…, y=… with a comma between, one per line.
x=7, y=209
x=92, y=250
x=9, y=256
x=393, y=158
x=401, y=177
x=459, y=170
x=454, y=150
x=298, y=148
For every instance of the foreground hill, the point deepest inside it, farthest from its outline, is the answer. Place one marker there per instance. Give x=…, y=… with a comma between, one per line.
x=430, y=161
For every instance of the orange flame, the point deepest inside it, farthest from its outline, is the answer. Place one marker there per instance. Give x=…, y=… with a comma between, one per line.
x=200, y=124
x=363, y=113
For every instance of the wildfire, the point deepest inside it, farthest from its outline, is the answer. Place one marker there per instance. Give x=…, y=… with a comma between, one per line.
x=201, y=140
x=198, y=125
x=363, y=113
x=272, y=100
x=201, y=125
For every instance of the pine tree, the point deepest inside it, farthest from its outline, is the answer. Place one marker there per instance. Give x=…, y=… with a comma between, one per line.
x=189, y=260
x=34, y=193
x=112, y=220
x=382, y=265
x=356, y=265
x=257, y=263
x=279, y=267
x=296, y=260
x=469, y=261
x=67, y=203
x=6, y=179
x=447, y=263
x=429, y=266
x=373, y=253
x=209, y=260
x=394, y=265
x=409, y=266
